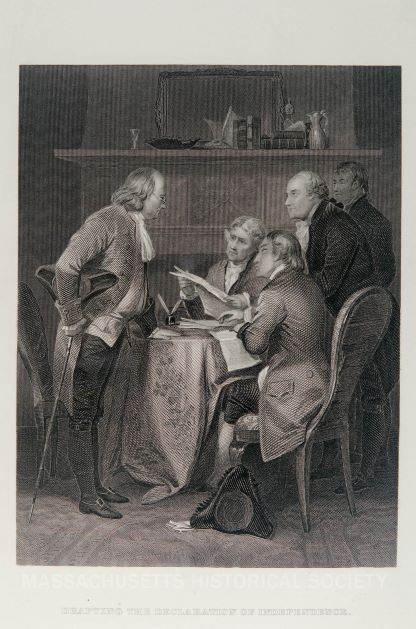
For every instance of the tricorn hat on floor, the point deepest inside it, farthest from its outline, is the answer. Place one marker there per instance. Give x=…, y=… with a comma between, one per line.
x=235, y=507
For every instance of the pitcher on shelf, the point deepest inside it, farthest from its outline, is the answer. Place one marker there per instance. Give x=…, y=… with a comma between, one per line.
x=317, y=133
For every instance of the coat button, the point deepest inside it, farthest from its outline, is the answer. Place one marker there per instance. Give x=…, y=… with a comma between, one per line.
x=310, y=373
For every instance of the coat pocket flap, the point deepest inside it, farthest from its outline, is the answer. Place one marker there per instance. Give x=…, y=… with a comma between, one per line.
x=281, y=388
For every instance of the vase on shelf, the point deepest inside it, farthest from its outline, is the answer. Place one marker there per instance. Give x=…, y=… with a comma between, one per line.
x=317, y=138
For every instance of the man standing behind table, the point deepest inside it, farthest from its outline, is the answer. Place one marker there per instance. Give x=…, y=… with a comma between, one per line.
x=234, y=275
x=350, y=187
x=336, y=252
x=288, y=325
x=339, y=259
x=114, y=239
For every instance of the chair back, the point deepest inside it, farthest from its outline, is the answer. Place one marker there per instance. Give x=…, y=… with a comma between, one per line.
x=32, y=344
x=359, y=328
x=91, y=283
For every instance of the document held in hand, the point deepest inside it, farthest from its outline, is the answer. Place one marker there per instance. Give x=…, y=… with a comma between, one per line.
x=213, y=299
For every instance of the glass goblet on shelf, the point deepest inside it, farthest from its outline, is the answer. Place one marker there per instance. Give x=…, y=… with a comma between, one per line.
x=134, y=135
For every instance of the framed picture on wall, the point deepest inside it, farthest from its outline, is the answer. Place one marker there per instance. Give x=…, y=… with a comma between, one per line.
x=185, y=99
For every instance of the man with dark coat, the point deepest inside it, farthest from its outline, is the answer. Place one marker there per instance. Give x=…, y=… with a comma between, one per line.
x=336, y=252
x=340, y=260
x=350, y=188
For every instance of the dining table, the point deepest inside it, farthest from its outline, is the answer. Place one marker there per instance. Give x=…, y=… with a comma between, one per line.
x=160, y=416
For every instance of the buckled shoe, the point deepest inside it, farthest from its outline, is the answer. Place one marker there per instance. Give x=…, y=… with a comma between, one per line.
x=109, y=495
x=100, y=508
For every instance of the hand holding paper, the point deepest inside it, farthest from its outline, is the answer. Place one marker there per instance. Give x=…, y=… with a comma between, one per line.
x=237, y=301
x=213, y=299
x=187, y=287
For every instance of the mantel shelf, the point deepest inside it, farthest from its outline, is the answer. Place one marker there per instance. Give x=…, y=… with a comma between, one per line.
x=84, y=156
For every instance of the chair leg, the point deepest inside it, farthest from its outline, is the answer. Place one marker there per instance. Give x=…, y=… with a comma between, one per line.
x=283, y=468
x=346, y=466
x=303, y=472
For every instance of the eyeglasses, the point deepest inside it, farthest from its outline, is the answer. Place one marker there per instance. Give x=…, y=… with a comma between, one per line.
x=162, y=197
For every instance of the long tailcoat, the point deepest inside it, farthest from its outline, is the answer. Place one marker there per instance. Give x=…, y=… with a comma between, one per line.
x=105, y=242
x=338, y=256
x=343, y=257
x=289, y=325
x=378, y=233
x=247, y=282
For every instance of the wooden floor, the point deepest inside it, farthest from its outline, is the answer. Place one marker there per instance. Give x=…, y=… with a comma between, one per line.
x=60, y=535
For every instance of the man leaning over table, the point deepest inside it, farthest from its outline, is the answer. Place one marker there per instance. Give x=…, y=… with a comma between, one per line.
x=235, y=274
x=288, y=326
x=345, y=253
x=113, y=239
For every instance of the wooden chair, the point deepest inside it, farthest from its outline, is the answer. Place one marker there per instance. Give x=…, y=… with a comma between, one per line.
x=33, y=350
x=358, y=330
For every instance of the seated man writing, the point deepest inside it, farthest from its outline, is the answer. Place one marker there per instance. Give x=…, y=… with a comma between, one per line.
x=288, y=328
x=234, y=275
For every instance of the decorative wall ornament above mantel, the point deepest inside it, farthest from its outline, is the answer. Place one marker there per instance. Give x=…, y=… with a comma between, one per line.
x=273, y=82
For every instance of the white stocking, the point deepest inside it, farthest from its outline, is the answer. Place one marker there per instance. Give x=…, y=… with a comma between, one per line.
x=222, y=458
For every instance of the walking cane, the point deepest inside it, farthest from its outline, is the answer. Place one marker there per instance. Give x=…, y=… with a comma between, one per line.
x=50, y=427
x=96, y=283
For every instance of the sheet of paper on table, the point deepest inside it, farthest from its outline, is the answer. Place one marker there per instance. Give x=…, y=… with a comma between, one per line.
x=201, y=324
x=233, y=350
x=161, y=333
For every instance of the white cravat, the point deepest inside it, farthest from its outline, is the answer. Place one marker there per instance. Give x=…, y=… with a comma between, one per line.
x=302, y=229
x=302, y=234
x=148, y=251
x=232, y=274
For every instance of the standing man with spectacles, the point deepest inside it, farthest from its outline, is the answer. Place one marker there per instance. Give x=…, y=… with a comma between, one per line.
x=114, y=239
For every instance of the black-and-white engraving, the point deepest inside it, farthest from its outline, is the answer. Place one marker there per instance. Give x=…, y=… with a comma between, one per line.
x=209, y=314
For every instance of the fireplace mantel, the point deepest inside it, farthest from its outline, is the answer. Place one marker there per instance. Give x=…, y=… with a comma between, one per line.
x=232, y=156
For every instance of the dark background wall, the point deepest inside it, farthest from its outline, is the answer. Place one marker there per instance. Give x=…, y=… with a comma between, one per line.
x=95, y=106
x=123, y=97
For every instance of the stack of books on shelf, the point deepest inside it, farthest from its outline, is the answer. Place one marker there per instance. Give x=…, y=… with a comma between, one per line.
x=247, y=133
x=285, y=140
